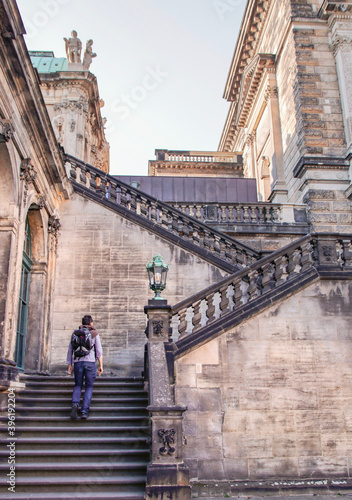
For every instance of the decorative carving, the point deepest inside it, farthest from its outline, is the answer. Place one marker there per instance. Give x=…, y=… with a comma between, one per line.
x=327, y=252
x=88, y=55
x=72, y=125
x=158, y=326
x=66, y=104
x=341, y=43
x=27, y=174
x=73, y=48
x=58, y=124
x=41, y=200
x=27, y=171
x=271, y=91
x=168, y=438
x=53, y=225
x=6, y=130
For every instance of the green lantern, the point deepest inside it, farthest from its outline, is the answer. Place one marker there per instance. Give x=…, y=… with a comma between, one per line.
x=157, y=273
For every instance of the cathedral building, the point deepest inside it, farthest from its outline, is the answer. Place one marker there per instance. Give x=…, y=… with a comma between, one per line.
x=247, y=362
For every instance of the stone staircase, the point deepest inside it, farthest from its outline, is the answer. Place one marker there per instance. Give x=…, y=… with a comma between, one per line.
x=104, y=457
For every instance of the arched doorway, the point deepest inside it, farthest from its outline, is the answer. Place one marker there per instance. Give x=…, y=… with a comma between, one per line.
x=23, y=299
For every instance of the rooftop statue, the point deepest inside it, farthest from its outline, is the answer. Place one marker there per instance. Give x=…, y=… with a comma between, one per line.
x=73, y=48
x=88, y=55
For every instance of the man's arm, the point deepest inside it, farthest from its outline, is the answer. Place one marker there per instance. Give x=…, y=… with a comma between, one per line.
x=99, y=354
x=100, y=369
x=69, y=360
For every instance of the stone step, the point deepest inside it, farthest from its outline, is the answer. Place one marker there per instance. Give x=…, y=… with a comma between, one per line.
x=64, y=411
x=74, y=442
x=70, y=384
x=80, y=469
x=83, y=428
x=96, y=400
x=107, y=495
x=113, y=455
x=97, y=392
x=71, y=485
x=111, y=421
x=65, y=378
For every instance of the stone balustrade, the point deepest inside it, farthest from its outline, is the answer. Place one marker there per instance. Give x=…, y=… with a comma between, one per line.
x=197, y=156
x=235, y=213
x=272, y=272
x=161, y=214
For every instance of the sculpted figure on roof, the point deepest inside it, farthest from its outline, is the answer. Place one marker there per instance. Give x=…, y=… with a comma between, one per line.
x=73, y=48
x=88, y=55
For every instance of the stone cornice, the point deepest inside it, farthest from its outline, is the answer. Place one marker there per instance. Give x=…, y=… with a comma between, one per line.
x=195, y=167
x=252, y=76
x=319, y=163
x=246, y=45
x=251, y=79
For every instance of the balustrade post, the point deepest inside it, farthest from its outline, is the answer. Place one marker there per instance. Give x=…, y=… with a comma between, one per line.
x=210, y=312
x=197, y=316
x=167, y=475
x=346, y=252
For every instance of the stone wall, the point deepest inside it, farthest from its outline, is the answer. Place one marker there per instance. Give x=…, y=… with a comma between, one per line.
x=101, y=271
x=271, y=398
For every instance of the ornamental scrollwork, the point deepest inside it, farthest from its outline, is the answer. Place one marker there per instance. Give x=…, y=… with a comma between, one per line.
x=341, y=42
x=27, y=174
x=53, y=225
x=6, y=130
x=158, y=325
x=168, y=438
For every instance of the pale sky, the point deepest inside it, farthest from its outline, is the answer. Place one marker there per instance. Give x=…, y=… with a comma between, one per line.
x=161, y=67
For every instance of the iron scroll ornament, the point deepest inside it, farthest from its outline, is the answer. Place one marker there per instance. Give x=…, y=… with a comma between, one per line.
x=168, y=438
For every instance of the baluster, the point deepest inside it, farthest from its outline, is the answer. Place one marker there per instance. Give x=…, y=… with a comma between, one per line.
x=217, y=244
x=210, y=312
x=253, y=284
x=93, y=180
x=73, y=173
x=239, y=257
x=153, y=211
x=231, y=213
x=346, y=252
x=261, y=211
x=82, y=176
x=291, y=262
x=305, y=256
x=199, y=212
x=224, y=299
x=123, y=197
x=223, y=213
x=279, y=262
x=246, y=210
x=238, y=213
x=195, y=234
x=237, y=293
x=266, y=277
x=182, y=327
x=113, y=193
x=275, y=215
x=144, y=207
x=133, y=202
x=197, y=316
x=230, y=295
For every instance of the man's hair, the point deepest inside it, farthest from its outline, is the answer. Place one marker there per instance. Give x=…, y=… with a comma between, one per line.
x=87, y=320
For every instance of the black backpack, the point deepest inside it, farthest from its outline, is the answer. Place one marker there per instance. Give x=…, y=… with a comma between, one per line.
x=82, y=342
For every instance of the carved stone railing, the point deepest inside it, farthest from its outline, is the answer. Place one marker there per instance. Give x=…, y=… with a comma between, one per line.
x=310, y=254
x=235, y=213
x=197, y=156
x=181, y=225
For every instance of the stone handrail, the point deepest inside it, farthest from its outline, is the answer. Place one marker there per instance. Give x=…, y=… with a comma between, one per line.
x=197, y=156
x=159, y=213
x=235, y=213
x=272, y=272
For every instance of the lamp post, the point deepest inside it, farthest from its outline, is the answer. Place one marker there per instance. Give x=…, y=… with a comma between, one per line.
x=167, y=474
x=157, y=273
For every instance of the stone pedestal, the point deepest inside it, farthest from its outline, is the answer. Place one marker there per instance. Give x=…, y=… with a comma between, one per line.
x=167, y=475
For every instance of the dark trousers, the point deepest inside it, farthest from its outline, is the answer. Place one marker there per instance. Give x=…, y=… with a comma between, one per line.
x=87, y=370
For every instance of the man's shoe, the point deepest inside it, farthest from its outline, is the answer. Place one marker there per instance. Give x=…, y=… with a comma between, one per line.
x=84, y=415
x=73, y=413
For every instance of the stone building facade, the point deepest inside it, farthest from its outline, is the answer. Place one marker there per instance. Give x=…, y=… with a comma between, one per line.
x=259, y=291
